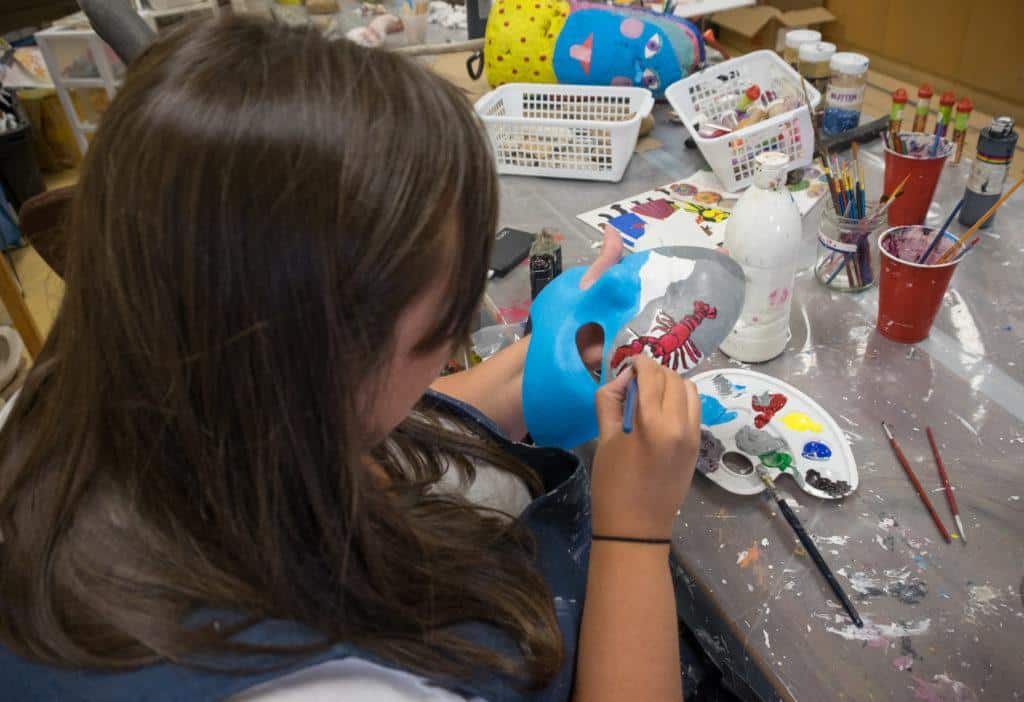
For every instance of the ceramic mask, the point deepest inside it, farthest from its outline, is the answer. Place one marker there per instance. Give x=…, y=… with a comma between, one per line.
x=675, y=304
x=604, y=47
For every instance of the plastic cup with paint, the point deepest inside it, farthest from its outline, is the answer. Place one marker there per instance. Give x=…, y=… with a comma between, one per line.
x=909, y=293
x=924, y=171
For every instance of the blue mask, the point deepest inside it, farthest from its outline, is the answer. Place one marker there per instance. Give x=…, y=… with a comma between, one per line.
x=625, y=46
x=676, y=304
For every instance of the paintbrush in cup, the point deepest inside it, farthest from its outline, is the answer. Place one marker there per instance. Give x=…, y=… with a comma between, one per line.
x=977, y=225
x=938, y=235
x=808, y=544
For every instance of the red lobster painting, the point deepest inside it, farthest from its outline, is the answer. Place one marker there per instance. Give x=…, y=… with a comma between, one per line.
x=673, y=344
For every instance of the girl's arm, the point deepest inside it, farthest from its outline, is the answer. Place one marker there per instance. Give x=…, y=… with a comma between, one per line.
x=629, y=645
x=495, y=387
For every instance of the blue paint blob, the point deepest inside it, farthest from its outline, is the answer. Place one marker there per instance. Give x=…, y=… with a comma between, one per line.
x=713, y=412
x=816, y=451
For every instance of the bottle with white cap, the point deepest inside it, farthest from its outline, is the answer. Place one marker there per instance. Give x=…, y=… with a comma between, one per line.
x=763, y=236
x=814, y=67
x=845, y=95
x=795, y=38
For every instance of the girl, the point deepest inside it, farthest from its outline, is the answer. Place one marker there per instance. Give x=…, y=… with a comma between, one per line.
x=226, y=478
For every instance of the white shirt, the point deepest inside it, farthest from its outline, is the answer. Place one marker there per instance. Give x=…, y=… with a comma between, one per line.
x=358, y=680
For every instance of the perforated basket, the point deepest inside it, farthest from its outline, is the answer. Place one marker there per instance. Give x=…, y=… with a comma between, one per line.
x=564, y=131
x=700, y=97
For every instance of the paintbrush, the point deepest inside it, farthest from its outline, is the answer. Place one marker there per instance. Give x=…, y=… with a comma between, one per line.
x=945, y=484
x=629, y=411
x=942, y=230
x=916, y=483
x=808, y=544
x=977, y=225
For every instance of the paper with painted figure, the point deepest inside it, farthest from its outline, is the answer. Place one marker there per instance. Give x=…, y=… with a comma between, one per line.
x=674, y=304
x=760, y=420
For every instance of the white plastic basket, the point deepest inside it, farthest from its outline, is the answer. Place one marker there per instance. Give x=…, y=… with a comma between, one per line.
x=564, y=131
x=731, y=156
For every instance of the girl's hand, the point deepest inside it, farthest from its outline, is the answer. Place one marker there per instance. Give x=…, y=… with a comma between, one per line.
x=640, y=479
x=590, y=339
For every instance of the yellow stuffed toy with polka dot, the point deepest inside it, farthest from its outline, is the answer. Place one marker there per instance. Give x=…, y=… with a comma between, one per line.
x=520, y=40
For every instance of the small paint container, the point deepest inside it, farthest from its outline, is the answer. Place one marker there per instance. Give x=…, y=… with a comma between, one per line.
x=910, y=293
x=795, y=38
x=845, y=95
x=847, y=251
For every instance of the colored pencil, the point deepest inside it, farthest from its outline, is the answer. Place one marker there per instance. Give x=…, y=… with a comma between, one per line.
x=977, y=225
x=808, y=544
x=630, y=409
x=945, y=483
x=942, y=230
x=916, y=483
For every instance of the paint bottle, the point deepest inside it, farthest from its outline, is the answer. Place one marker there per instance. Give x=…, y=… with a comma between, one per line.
x=763, y=236
x=988, y=172
x=814, y=58
x=924, y=106
x=963, y=115
x=946, y=103
x=899, y=103
x=795, y=38
x=845, y=95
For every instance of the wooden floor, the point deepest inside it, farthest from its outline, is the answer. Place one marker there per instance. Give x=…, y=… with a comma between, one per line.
x=44, y=290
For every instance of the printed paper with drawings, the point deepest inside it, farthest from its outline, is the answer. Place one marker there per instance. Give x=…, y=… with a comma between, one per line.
x=692, y=211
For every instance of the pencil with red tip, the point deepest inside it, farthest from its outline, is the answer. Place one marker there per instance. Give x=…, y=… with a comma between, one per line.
x=945, y=484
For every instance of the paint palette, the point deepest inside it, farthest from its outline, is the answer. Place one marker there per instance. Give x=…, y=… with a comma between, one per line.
x=749, y=418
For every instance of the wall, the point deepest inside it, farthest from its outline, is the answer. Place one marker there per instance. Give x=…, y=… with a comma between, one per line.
x=973, y=47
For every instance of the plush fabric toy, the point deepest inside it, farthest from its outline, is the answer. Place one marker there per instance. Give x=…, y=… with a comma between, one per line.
x=547, y=41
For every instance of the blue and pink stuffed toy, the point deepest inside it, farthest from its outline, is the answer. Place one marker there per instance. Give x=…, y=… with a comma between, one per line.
x=554, y=41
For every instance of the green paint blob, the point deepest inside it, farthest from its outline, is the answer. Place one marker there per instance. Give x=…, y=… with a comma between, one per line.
x=777, y=459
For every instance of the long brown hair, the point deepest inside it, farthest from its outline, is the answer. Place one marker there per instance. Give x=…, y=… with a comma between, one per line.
x=257, y=208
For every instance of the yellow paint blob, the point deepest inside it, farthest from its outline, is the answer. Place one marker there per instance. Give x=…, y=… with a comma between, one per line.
x=798, y=421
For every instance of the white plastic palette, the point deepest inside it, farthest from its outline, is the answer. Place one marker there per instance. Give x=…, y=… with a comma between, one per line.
x=734, y=401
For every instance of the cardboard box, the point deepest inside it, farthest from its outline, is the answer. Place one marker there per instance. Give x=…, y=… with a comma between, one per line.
x=787, y=5
x=764, y=27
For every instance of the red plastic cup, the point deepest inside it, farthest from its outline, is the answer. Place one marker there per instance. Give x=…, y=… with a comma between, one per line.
x=924, y=171
x=909, y=293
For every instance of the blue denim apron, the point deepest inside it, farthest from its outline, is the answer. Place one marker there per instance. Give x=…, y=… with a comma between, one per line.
x=560, y=521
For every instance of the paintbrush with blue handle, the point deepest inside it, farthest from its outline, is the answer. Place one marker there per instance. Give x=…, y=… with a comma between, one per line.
x=808, y=545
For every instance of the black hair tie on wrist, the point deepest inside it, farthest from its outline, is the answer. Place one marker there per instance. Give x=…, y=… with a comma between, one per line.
x=629, y=539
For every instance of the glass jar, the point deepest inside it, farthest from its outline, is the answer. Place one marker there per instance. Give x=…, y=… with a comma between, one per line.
x=795, y=38
x=847, y=249
x=845, y=94
x=814, y=67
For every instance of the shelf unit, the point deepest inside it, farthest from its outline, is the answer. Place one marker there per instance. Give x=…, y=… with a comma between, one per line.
x=85, y=71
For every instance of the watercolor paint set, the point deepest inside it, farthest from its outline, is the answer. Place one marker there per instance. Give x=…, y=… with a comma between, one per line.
x=750, y=419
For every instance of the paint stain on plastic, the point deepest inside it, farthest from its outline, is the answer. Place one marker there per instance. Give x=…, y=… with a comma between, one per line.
x=798, y=421
x=713, y=412
x=816, y=451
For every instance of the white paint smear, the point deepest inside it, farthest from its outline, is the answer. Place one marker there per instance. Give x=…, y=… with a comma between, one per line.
x=767, y=642
x=659, y=273
x=834, y=540
x=741, y=556
x=872, y=631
